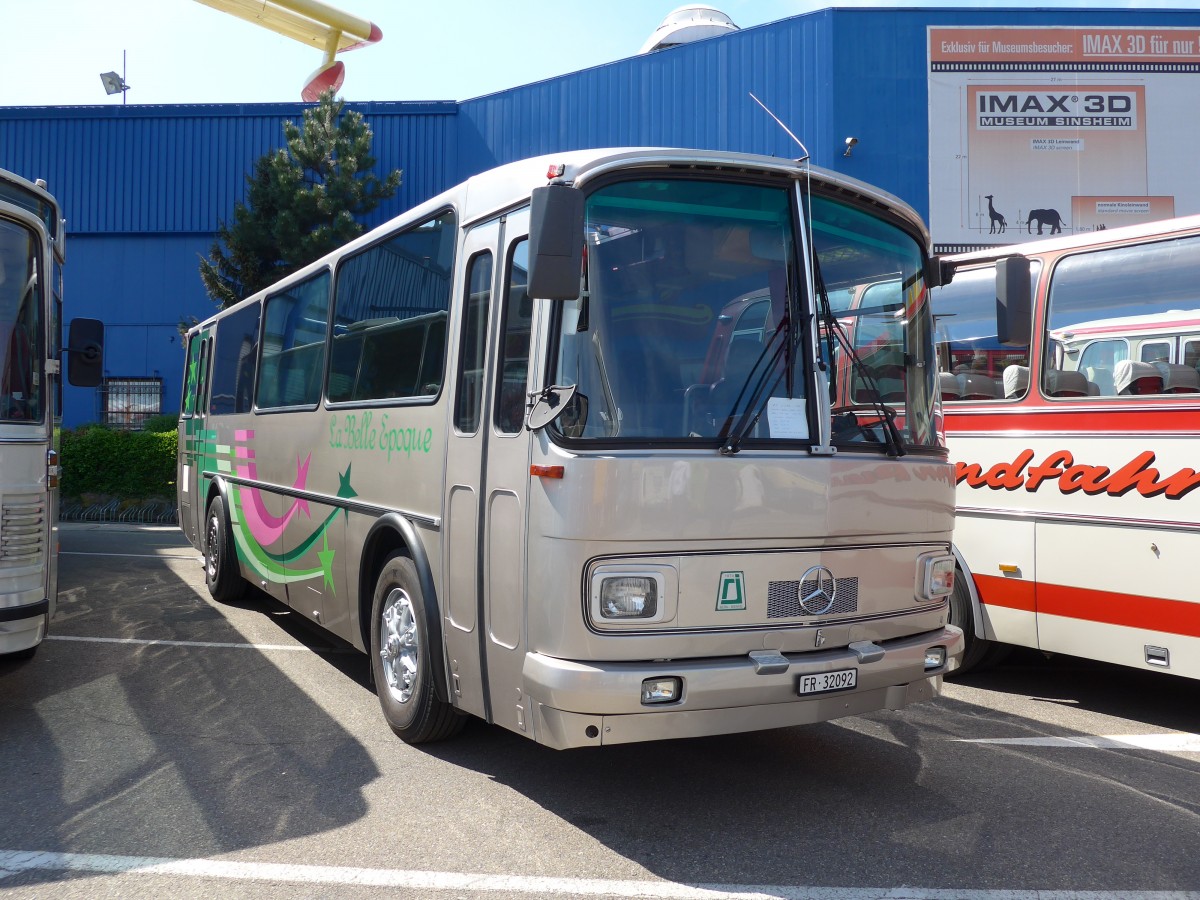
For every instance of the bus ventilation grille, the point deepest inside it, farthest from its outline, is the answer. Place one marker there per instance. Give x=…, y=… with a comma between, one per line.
x=22, y=521
x=784, y=599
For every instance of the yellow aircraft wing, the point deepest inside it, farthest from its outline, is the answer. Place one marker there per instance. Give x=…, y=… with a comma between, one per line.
x=310, y=22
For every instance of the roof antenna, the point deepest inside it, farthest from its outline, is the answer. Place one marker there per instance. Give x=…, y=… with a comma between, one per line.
x=778, y=121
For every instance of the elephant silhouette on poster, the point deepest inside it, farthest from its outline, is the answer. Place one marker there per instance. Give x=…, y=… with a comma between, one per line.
x=1045, y=217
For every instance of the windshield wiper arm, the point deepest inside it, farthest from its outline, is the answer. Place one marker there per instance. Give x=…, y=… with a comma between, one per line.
x=887, y=415
x=732, y=432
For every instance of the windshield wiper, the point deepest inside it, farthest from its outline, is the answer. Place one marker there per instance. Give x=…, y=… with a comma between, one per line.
x=887, y=415
x=732, y=433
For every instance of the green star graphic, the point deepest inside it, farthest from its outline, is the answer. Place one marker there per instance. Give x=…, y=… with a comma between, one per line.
x=344, y=489
x=326, y=557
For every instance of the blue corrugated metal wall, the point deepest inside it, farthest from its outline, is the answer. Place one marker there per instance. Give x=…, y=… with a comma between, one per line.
x=144, y=187
x=696, y=95
x=180, y=169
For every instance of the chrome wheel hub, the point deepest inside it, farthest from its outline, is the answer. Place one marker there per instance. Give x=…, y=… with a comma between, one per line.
x=399, y=645
x=211, y=550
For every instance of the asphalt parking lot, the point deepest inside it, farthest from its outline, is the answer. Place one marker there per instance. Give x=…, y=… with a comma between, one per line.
x=159, y=744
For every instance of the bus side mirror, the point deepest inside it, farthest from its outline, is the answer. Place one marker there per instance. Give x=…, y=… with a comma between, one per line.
x=555, y=242
x=1014, y=301
x=85, y=352
x=938, y=272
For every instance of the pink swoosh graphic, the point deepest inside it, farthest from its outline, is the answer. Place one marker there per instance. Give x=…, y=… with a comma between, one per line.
x=265, y=527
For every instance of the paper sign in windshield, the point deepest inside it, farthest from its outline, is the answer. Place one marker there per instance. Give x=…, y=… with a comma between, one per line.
x=788, y=418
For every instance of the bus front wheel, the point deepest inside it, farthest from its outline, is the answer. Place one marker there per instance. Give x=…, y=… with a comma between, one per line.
x=221, y=573
x=400, y=658
x=978, y=652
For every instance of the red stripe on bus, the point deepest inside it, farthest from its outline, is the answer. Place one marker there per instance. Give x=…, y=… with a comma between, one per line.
x=1105, y=607
x=1011, y=593
x=1028, y=419
x=1151, y=613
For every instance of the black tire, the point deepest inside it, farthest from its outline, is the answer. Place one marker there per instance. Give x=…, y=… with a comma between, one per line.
x=225, y=582
x=400, y=658
x=977, y=649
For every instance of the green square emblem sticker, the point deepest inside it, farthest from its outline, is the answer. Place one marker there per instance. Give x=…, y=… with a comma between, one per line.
x=731, y=591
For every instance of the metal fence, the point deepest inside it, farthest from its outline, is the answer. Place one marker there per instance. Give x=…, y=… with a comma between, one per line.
x=151, y=512
x=127, y=402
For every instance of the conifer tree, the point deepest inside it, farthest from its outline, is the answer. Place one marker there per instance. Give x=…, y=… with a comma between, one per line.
x=302, y=201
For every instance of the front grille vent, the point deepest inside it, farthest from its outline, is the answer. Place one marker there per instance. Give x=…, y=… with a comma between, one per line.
x=784, y=599
x=22, y=528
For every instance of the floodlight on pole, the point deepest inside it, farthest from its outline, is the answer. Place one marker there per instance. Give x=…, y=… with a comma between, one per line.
x=114, y=83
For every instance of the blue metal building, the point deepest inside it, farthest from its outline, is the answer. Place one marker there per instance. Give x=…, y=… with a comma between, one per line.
x=144, y=188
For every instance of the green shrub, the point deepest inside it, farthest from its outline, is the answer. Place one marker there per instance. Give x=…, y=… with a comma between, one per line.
x=161, y=424
x=130, y=465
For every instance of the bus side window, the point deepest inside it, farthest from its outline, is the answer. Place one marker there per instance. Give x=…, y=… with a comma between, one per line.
x=513, y=371
x=191, y=385
x=1098, y=363
x=293, y=355
x=1155, y=351
x=392, y=302
x=234, y=362
x=972, y=363
x=1191, y=354
x=473, y=343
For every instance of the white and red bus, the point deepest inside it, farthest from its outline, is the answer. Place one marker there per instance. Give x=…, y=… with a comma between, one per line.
x=1068, y=374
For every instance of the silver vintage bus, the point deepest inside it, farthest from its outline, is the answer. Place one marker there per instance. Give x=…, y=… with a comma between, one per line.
x=32, y=241
x=596, y=447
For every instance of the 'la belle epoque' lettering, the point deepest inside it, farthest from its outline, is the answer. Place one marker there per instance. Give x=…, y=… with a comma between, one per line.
x=1059, y=469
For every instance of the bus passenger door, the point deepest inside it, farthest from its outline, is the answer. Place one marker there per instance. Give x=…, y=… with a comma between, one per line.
x=193, y=440
x=506, y=485
x=461, y=573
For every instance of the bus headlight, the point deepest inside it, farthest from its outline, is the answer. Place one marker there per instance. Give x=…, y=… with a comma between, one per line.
x=935, y=577
x=629, y=597
x=632, y=596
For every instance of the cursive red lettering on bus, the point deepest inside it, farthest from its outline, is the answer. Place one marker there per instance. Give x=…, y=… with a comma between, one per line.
x=1050, y=467
x=971, y=473
x=1060, y=468
x=1007, y=476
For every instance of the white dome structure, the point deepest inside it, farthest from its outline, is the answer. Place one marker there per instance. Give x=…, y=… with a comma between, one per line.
x=686, y=24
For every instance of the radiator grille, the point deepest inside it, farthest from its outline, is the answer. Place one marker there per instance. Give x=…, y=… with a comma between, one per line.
x=783, y=599
x=22, y=530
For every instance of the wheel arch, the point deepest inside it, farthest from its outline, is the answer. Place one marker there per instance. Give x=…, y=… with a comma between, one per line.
x=217, y=487
x=973, y=593
x=390, y=533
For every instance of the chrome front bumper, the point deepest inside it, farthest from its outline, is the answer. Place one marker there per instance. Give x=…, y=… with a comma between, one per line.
x=576, y=704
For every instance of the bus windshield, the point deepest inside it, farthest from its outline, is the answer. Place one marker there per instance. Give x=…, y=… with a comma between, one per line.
x=691, y=327
x=20, y=325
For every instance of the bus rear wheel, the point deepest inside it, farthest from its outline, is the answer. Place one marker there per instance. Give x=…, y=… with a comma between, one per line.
x=221, y=574
x=400, y=658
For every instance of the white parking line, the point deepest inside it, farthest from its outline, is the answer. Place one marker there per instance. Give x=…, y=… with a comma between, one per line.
x=15, y=861
x=1181, y=742
x=209, y=644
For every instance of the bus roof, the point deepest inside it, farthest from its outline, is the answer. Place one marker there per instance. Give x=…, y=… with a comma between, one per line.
x=1126, y=233
x=32, y=198
x=1172, y=321
x=507, y=187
